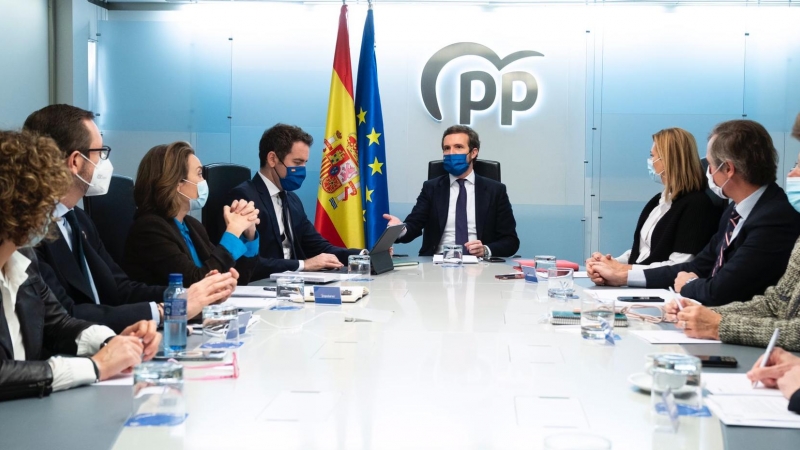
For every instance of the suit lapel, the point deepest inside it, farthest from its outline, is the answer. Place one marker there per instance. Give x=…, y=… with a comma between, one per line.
x=481, y=205
x=68, y=265
x=267, y=205
x=442, y=196
x=30, y=311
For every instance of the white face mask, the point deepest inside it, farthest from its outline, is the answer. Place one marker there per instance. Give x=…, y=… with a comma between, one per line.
x=713, y=186
x=101, y=178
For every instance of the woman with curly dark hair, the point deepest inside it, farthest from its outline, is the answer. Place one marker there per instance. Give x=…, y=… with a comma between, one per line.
x=33, y=178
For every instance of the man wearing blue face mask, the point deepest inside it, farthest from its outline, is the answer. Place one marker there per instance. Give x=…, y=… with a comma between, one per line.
x=289, y=240
x=461, y=207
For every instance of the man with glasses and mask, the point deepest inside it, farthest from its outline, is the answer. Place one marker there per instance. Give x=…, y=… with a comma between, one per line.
x=76, y=266
x=757, y=231
x=289, y=240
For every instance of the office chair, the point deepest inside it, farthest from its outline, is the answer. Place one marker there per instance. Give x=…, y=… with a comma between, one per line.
x=221, y=178
x=112, y=214
x=483, y=167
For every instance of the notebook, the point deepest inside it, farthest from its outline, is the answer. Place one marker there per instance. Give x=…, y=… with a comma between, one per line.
x=573, y=318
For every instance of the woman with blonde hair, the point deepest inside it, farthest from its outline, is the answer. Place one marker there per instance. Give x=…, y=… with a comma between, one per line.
x=677, y=222
x=165, y=239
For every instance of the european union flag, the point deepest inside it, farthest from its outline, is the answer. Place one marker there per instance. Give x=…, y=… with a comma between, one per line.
x=371, y=148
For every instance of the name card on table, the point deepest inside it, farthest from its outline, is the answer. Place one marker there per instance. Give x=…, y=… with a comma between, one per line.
x=328, y=295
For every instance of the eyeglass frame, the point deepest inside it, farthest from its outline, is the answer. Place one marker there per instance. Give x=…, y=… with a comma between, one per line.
x=102, y=149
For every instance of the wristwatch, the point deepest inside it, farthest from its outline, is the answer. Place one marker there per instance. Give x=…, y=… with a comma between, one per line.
x=106, y=342
x=689, y=281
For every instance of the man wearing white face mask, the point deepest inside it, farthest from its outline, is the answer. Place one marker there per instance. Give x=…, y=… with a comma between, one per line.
x=77, y=268
x=757, y=230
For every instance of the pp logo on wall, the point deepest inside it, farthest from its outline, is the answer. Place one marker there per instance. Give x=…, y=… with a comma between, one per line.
x=430, y=73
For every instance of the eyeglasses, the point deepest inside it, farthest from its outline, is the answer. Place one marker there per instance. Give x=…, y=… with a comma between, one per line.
x=234, y=363
x=104, y=151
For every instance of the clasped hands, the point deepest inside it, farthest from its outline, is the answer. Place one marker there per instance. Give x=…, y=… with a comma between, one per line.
x=241, y=217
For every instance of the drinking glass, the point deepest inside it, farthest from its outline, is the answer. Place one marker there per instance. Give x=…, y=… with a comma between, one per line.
x=220, y=326
x=290, y=292
x=559, y=283
x=452, y=254
x=544, y=263
x=158, y=395
x=681, y=374
x=595, y=310
x=359, y=265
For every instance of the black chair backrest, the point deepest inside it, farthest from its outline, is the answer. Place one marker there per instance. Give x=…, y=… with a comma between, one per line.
x=112, y=214
x=483, y=167
x=715, y=199
x=221, y=178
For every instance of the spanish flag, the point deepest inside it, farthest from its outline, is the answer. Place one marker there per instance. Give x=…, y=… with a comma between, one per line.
x=340, y=217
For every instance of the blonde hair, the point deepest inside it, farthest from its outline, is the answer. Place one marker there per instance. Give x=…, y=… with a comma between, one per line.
x=683, y=172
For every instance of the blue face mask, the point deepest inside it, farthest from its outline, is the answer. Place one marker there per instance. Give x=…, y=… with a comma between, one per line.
x=793, y=191
x=294, y=177
x=456, y=164
x=196, y=204
x=36, y=237
x=652, y=171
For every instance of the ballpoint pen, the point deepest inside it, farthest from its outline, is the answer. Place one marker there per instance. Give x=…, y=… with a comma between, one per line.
x=676, y=298
x=768, y=352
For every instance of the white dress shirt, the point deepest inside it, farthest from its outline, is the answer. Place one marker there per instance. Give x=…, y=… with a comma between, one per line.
x=66, y=232
x=274, y=192
x=67, y=372
x=449, y=235
x=646, y=240
x=636, y=277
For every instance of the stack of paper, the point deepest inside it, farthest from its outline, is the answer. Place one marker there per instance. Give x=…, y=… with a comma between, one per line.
x=669, y=337
x=735, y=402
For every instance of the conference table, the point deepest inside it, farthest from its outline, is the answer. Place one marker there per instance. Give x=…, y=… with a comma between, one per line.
x=434, y=357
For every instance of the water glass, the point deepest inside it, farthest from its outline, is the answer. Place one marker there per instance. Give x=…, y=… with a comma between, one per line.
x=359, y=267
x=544, y=263
x=452, y=254
x=681, y=374
x=560, y=284
x=576, y=441
x=290, y=292
x=595, y=310
x=220, y=326
x=158, y=395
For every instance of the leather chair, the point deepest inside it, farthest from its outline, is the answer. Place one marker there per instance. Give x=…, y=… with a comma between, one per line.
x=483, y=167
x=112, y=214
x=221, y=178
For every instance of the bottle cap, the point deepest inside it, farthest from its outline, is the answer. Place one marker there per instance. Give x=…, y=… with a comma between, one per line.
x=175, y=278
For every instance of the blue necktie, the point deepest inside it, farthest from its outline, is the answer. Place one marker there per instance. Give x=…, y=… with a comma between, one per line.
x=462, y=236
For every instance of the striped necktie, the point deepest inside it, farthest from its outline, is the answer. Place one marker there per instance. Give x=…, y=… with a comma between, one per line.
x=732, y=222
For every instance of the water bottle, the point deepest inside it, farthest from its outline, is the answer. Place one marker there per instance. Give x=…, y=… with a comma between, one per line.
x=175, y=316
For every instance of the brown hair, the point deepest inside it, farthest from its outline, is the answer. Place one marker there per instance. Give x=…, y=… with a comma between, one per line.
x=474, y=140
x=160, y=172
x=65, y=124
x=678, y=151
x=748, y=146
x=280, y=139
x=33, y=178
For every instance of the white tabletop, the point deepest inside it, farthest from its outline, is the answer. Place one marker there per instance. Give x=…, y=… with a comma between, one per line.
x=465, y=361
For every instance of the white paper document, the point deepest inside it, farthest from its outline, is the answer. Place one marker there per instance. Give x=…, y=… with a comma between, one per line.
x=123, y=379
x=466, y=259
x=735, y=384
x=669, y=337
x=254, y=291
x=580, y=274
x=753, y=411
x=251, y=302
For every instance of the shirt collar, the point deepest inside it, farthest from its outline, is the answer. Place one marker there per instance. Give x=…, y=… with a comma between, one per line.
x=181, y=225
x=15, y=273
x=745, y=207
x=60, y=210
x=273, y=190
x=470, y=178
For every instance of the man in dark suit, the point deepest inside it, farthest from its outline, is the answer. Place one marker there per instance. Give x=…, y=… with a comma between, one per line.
x=289, y=240
x=461, y=208
x=757, y=232
x=76, y=266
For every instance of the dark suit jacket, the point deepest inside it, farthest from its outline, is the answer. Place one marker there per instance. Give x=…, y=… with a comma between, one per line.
x=755, y=260
x=46, y=330
x=123, y=301
x=494, y=218
x=155, y=248
x=308, y=242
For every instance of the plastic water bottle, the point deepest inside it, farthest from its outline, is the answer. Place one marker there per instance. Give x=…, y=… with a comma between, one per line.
x=175, y=316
